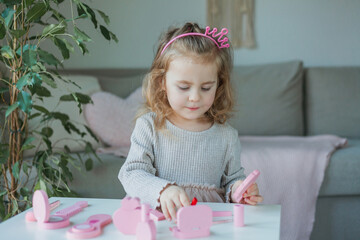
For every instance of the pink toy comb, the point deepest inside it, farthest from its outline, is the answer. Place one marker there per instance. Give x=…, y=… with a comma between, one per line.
x=238, y=195
x=91, y=228
x=210, y=35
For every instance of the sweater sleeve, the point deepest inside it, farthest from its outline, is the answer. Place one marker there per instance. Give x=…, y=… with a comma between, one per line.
x=137, y=175
x=233, y=170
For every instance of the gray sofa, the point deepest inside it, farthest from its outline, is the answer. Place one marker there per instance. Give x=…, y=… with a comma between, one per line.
x=273, y=99
x=292, y=100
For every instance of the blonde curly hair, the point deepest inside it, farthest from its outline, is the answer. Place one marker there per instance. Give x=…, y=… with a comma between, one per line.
x=201, y=50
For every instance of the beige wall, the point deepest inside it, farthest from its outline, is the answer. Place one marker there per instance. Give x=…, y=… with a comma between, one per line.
x=322, y=32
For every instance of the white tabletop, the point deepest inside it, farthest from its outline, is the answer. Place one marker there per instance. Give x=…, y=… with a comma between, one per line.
x=261, y=222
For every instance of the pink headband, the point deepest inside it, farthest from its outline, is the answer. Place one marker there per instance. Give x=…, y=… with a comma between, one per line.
x=222, y=42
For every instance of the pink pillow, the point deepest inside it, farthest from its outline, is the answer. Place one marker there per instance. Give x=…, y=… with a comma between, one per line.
x=111, y=118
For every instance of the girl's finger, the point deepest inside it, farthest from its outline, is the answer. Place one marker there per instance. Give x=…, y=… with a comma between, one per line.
x=165, y=211
x=253, y=193
x=252, y=188
x=184, y=200
x=257, y=198
x=247, y=200
x=177, y=203
x=172, y=209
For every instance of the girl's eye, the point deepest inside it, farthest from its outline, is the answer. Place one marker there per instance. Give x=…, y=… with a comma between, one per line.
x=183, y=88
x=206, y=89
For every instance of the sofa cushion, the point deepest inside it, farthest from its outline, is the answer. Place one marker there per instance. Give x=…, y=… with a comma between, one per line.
x=333, y=101
x=112, y=118
x=342, y=174
x=269, y=99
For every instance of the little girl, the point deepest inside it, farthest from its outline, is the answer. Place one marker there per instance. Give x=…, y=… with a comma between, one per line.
x=181, y=146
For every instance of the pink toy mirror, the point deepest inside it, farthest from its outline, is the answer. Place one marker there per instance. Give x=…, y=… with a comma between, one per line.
x=41, y=206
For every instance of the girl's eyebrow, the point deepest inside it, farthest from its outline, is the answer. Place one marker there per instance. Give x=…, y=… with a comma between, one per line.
x=187, y=82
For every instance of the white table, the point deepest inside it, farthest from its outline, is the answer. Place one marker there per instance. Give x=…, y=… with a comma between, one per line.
x=261, y=222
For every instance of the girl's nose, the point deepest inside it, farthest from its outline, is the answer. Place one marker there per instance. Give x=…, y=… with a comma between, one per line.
x=194, y=96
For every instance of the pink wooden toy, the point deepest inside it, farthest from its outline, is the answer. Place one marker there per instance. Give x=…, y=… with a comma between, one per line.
x=156, y=215
x=127, y=217
x=238, y=215
x=30, y=217
x=238, y=195
x=91, y=228
x=60, y=219
x=146, y=229
x=193, y=222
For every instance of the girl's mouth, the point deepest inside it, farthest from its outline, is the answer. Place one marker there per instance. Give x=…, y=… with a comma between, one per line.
x=193, y=109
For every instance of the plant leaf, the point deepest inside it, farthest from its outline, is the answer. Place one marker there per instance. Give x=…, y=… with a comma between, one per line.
x=16, y=170
x=6, y=52
x=11, y=109
x=49, y=81
x=81, y=36
x=105, y=32
x=23, y=81
x=42, y=91
x=48, y=58
x=47, y=132
x=26, y=145
x=113, y=37
x=26, y=47
x=77, y=97
x=29, y=57
x=15, y=206
x=104, y=17
x=2, y=30
x=36, y=12
x=62, y=46
x=25, y=102
x=41, y=109
x=88, y=164
x=54, y=29
x=17, y=33
x=8, y=14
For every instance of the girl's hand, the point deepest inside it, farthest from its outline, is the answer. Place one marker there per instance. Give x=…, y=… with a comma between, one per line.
x=171, y=199
x=251, y=195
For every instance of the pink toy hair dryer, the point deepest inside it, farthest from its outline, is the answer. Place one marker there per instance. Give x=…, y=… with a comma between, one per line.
x=238, y=195
x=60, y=219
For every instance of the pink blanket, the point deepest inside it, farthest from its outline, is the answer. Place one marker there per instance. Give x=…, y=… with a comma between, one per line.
x=292, y=170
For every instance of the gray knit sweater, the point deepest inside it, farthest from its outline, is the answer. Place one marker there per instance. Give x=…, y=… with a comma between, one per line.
x=209, y=160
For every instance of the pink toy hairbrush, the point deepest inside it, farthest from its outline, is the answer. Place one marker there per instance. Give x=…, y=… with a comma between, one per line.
x=238, y=195
x=193, y=222
x=60, y=219
x=29, y=216
x=91, y=228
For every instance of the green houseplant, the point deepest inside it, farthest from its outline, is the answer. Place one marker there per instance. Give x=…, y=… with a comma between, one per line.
x=24, y=26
